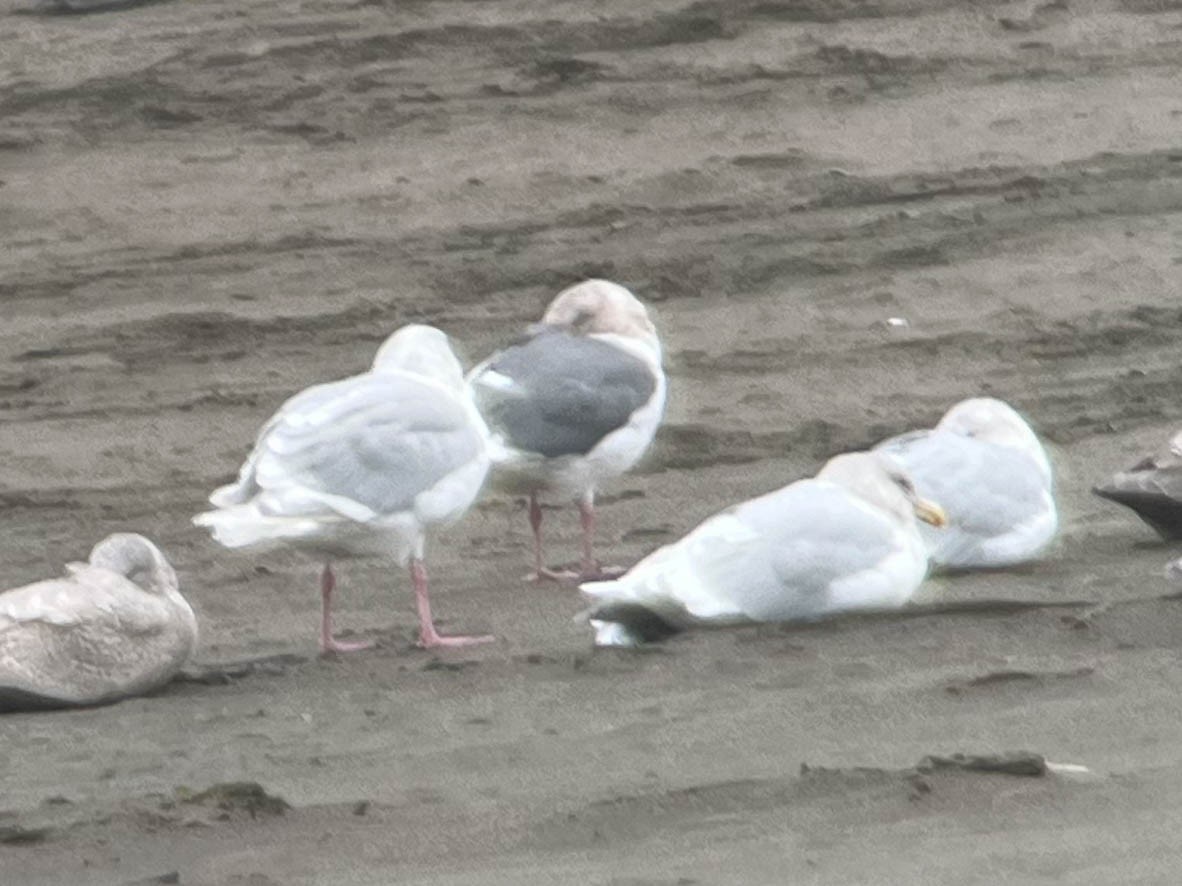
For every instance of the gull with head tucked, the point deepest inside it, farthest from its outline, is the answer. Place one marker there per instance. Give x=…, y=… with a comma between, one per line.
x=987, y=469
x=364, y=465
x=114, y=627
x=574, y=404
x=843, y=541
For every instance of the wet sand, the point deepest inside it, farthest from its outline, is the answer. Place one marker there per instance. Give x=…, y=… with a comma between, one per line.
x=206, y=206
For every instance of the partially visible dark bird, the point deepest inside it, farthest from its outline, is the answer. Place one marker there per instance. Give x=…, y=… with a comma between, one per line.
x=1152, y=488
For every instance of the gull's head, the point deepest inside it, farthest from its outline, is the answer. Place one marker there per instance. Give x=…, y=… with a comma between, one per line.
x=884, y=484
x=992, y=421
x=420, y=350
x=601, y=307
x=136, y=559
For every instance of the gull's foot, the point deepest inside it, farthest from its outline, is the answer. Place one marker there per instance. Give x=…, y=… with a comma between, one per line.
x=436, y=641
x=563, y=576
x=333, y=646
x=600, y=573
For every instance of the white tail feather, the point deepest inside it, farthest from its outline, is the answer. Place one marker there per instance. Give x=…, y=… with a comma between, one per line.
x=243, y=526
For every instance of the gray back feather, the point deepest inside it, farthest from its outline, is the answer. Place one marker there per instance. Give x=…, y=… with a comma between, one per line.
x=568, y=393
x=379, y=440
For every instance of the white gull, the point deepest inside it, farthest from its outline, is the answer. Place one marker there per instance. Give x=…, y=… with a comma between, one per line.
x=987, y=469
x=364, y=465
x=844, y=541
x=113, y=627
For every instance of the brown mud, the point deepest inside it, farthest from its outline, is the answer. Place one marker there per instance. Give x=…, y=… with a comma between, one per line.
x=206, y=206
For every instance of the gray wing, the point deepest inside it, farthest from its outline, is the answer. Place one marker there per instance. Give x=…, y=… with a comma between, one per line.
x=559, y=394
x=378, y=441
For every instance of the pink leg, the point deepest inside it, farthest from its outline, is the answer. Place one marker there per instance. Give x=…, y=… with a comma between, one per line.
x=541, y=572
x=328, y=644
x=429, y=638
x=587, y=522
x=589, y=569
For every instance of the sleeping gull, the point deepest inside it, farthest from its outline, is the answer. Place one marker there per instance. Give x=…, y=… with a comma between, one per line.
x=113, y=627
x=1152, y=488
x=988, y=470
x=843, y=541
x=574, y=404
x=364, y=465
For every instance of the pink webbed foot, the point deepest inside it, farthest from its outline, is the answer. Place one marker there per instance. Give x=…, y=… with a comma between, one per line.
x=438, y=641
x=596, y=572
x=333, y=646
x=545, y=573
x=330, y=645
x=542, y=572
x=429, y=638
x=590, y=569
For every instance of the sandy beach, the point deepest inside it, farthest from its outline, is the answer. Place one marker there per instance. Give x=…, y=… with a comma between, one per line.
x=845, y=215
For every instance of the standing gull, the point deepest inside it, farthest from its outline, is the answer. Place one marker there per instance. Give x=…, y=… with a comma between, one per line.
x=1152, y=488
x=988, y=470
x=115, y=626
x=843, y=541
x=364, y=465
x=574, y=404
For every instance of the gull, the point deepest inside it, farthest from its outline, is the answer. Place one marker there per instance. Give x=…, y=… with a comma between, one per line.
x=1152, y=488
x=574, y=404
x=364, y=465
x=986, y=467
x=843, y=541
x=113, y=627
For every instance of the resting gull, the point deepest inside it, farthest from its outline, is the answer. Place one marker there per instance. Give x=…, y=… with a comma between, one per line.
x=574, y=404
x=113, y=627
x=988, y=470
x=364, y=465
x=1152, y=488
x=843, y=541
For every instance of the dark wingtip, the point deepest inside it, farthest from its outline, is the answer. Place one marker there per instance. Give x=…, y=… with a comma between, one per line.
x=1129, y=492
x=640, y=621
x=14, y=700
x=1161, y=512
x=1104, y=491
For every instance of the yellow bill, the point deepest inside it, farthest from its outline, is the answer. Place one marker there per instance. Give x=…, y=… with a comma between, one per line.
x=930, y=512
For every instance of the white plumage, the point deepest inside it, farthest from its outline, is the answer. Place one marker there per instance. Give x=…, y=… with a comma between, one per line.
x=575, y=404
x=115, y=626
x=988, y=470
x=845, y=540
x=364, y=465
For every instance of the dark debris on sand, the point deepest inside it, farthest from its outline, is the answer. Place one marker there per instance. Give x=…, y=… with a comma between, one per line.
x=1022, y=763
x=231, y=796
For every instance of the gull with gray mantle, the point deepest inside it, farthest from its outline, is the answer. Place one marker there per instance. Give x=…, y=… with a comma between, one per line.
x=843, y=541
x=572, y=405
x=987, y=469
x=364, y=465
x=113, y=627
